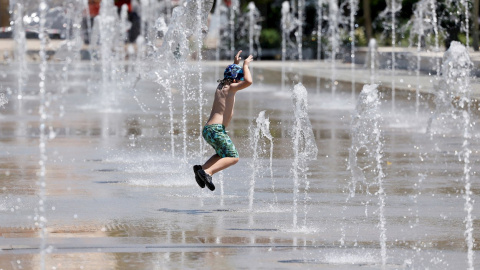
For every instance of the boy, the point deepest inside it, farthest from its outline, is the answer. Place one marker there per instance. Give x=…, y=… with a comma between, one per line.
x=235, y=78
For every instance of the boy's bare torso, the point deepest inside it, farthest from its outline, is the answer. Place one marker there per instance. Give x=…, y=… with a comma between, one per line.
x=222, y=109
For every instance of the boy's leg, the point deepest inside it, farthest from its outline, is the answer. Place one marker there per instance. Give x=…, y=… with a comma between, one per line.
x=216, y=164
x=217, y=137
x=211, y=161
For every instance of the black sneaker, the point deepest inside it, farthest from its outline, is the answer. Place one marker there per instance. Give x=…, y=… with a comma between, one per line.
x=207, y=179
x=200, y=181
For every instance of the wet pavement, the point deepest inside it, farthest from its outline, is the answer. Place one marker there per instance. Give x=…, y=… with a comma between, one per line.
x=118, y=198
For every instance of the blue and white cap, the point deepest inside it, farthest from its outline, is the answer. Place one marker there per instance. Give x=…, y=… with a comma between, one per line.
x=233, y=71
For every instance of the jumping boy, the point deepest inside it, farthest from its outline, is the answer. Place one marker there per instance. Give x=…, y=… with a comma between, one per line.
x=235, y=78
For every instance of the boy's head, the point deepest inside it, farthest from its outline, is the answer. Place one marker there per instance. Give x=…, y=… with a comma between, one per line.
x=234, y=72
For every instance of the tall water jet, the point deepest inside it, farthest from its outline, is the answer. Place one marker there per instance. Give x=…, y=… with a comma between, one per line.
x=288, y=26
x=284, y=22
x=219, y=33
x=353, y=4
x=219, y=29
x=40, y=216
x=372, y=62
x=152, y=13
x=366, y=155
x=334, y=38
x=254, y=30
x=87, y=36
x=257, y=132
x=353, y=10
x=390, y=14
x=142, y=38
x=224, y=31
x=466, y=25
x=299, y=33
x=234, y=10
x=454, y=83
x=168, y=10
x=453, y=110
x=124, y=26
x=200, y=34
x=173, y=48
x=69, y=51
x=304, y=148
x=422, y=24
x=320, y=7
x=184, y=113
x=104, y=34
x=74, y=30
x=394, y=7
x=175, y=51
x=419, y=28
x=433, y=8
x=3, y=100
x=20, y=49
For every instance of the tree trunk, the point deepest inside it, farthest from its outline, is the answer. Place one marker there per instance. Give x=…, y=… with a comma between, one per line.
x=475, y=24
x=368, y=19
x=4, y=15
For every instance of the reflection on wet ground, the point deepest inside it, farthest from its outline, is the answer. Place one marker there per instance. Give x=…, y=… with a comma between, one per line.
x=118, y=199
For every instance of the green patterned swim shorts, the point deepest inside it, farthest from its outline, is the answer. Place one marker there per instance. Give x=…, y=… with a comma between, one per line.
x=217, y=137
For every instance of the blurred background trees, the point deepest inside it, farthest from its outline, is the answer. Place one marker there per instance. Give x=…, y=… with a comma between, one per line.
x=452, y=20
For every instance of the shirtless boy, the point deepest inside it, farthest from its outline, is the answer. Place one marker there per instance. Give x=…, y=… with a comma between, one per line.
x=235, y=78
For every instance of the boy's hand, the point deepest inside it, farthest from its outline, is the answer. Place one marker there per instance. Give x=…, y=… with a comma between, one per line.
x=248, y=60
x=237, y=58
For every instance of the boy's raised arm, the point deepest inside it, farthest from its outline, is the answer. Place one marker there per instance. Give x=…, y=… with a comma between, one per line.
x=247, y=76
x=237, y=58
